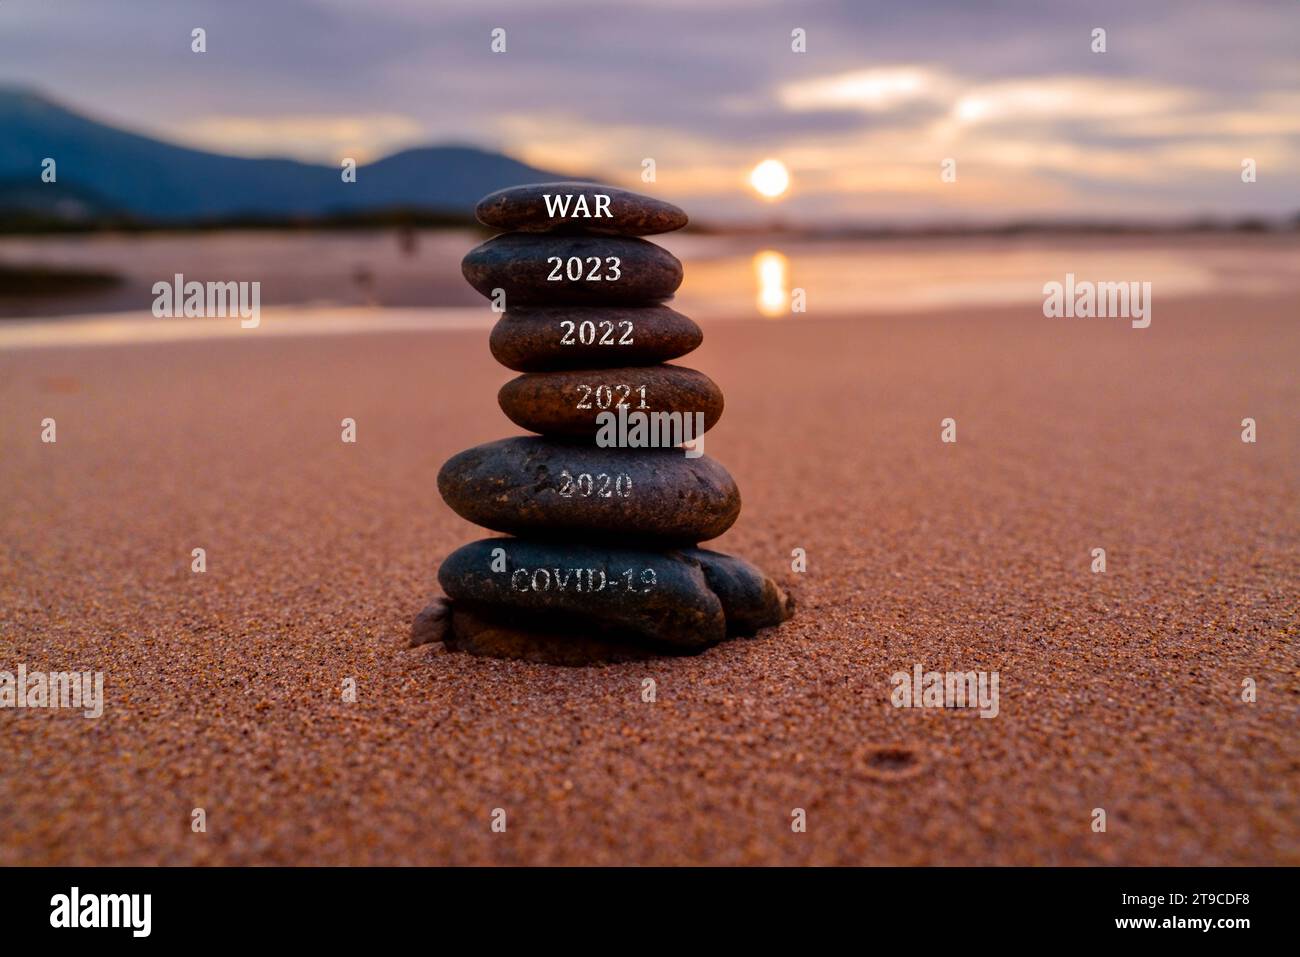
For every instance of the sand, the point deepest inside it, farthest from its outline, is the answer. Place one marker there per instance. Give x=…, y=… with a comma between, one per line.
x=1119, y=690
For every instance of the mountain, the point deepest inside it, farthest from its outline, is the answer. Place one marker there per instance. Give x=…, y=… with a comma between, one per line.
x=105, y=171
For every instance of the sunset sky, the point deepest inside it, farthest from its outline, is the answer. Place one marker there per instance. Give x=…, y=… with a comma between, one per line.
x=1040, y=126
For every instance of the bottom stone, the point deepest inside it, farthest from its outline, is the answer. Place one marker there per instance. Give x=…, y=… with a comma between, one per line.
x=577, y=604
x=481, y=633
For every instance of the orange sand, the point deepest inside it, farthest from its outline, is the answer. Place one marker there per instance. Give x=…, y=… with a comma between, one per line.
x=1119, y=691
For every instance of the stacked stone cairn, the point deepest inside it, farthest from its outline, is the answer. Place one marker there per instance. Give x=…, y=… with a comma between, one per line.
x=604, y=564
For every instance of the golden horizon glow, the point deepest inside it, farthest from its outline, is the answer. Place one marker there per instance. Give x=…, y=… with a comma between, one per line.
x=311, y=138
x=770, y=178
x=1008, y=133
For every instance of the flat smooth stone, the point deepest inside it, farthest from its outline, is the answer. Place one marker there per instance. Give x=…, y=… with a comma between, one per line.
x=587, y=337
x=553, y=270
x=589, y=207
x=572, y=604
x=750, y=600
x=546, y=487
x=657, y=597
x=567, y=403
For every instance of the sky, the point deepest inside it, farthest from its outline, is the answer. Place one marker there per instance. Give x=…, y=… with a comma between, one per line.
x=1039, y=125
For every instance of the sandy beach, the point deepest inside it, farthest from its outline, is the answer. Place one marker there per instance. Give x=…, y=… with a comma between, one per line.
x=1120, y=691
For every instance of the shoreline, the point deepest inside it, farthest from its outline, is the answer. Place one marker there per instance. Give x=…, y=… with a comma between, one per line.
x=726, y=277
x=141, y=328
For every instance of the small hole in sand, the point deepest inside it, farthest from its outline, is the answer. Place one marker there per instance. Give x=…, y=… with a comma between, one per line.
x=891, y=762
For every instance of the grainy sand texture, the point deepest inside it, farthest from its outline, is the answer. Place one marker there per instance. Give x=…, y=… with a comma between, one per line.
x=1120, y=691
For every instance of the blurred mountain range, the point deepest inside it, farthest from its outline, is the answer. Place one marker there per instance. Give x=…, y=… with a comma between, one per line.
x=106, y=174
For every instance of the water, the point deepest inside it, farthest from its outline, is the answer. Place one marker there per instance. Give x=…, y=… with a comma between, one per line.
x=417, y=275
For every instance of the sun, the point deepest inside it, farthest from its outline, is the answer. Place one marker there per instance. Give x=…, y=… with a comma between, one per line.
x=770, y=178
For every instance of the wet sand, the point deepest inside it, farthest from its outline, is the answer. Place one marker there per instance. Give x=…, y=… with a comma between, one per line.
x=1119, y=690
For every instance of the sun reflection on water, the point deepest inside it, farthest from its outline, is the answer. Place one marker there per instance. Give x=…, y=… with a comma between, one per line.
x=771, y=270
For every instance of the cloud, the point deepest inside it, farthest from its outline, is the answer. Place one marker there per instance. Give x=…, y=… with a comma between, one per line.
x=876, y=90
x=1067, y=98
x=1012, y=91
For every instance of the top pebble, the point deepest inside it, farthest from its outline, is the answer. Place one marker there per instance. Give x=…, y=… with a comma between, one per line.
x=578, y=207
